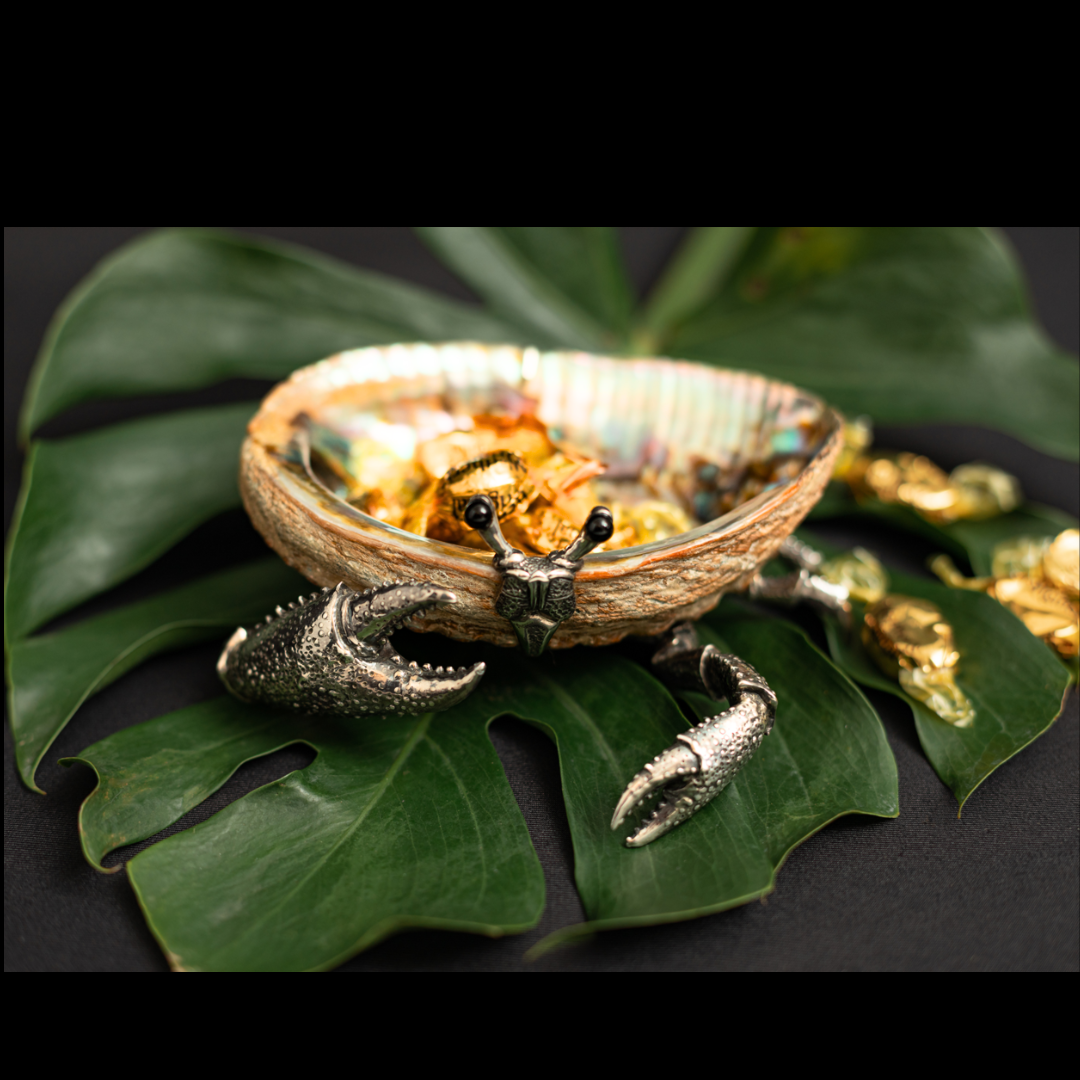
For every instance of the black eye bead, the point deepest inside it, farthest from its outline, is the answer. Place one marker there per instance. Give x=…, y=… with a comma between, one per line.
x=600, y=525
x=479, y=512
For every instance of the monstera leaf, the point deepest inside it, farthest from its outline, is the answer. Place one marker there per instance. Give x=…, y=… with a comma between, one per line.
x=826, y=756
x=53, y=674
x=408, y=823
x=180, y=310
x=411, y=822
x=96, y=508
x=905, y=325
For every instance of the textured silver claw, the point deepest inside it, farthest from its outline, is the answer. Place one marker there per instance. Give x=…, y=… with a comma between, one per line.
x=691, y=772
x=331, y=652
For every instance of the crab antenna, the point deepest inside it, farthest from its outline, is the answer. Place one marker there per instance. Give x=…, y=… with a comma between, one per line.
x=480, y=515
x=598, y=527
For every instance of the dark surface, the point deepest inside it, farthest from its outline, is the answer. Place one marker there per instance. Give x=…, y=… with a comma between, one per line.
x=997, y=890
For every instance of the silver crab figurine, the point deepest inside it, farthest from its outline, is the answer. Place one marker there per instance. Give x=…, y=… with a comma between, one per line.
x=330, y=652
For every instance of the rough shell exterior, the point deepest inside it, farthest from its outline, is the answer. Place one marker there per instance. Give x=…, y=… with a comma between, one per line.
x=640, y=590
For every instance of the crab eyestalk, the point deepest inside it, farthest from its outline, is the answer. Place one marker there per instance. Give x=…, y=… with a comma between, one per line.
x=537, y=593
x=331, y=652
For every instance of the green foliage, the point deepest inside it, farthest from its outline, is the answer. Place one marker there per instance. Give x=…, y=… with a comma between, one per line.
x=411, y=823
x=905, y=325
x=826, y=756
x=402, y=823
x=564, y=287
x=183, y=309
x=696, y=273
x=96, y=508
x=396, y=823
x=51, y=675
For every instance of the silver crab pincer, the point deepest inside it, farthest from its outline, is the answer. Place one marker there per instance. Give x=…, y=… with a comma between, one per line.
x=537, y=591
x=331, y=652
x=691, y=772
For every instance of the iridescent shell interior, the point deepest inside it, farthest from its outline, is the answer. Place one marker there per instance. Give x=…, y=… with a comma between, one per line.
x=629, y=413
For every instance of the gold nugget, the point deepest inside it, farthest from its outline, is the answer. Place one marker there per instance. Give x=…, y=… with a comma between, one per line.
x=652, y=520
x=1061, y=563
x=1020, y=555
x=858, y=435
x=910, y=641
x=1043, y=608
x=983, y=491
x=546, y=530
x=970, y=492
x=1037, y=580
x=909, y=479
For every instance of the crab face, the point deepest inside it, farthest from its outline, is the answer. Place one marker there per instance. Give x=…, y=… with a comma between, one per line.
x=537, y=595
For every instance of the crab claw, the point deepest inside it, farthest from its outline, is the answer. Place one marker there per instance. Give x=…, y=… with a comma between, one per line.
x=691, y=772
x=374, y=615
x=675, y=766
x=331, y=652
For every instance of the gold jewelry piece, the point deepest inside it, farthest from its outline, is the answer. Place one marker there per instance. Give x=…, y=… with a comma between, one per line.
x=970, y=492
x=910, y=640
x=1061, y=563
x=1038, y=580
x=501, y=475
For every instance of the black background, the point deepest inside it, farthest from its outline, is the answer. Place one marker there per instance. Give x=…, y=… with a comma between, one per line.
x=996, y=890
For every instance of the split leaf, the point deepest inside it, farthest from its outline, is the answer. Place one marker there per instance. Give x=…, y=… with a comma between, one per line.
x=96, y=508
x=179, y=310
x=697, y=272
x=410, y=822
x=584, y=263
x=397, y=823
x=908, y=325
x=51, y=675
x=827, y=756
